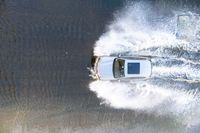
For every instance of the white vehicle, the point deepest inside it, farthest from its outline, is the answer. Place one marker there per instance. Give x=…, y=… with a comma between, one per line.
x=119, y=68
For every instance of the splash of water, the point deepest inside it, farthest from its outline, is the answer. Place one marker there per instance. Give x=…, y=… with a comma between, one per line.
x=134, y=32
x=143, y=96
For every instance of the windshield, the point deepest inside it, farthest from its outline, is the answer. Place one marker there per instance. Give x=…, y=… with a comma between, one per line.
x=118, y=68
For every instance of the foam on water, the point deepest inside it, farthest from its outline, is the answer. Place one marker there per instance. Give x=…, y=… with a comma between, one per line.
x=143, y=96
x=134, y=32
x=178, y=71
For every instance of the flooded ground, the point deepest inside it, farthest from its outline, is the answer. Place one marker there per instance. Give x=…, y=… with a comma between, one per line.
x=46, y=47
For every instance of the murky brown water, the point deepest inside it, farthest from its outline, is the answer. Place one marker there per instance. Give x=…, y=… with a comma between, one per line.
x=45, y=47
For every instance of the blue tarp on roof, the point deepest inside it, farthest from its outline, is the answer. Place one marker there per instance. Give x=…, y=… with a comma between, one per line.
x=133, y=68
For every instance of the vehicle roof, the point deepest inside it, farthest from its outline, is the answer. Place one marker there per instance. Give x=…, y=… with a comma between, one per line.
x=137, y=68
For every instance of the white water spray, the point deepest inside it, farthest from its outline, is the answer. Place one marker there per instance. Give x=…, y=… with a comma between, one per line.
x=132, y=32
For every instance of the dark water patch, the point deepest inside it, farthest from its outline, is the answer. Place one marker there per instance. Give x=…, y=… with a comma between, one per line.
x=167, y=62
x=171, y=83
x=47, y=44
x=174, y=53
x=176, y=62
x=180, y=52
x=8, y=86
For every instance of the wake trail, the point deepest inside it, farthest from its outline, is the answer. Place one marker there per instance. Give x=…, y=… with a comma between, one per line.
x=174, y=86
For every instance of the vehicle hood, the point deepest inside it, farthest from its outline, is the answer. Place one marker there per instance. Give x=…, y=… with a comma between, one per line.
x=105, y=68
